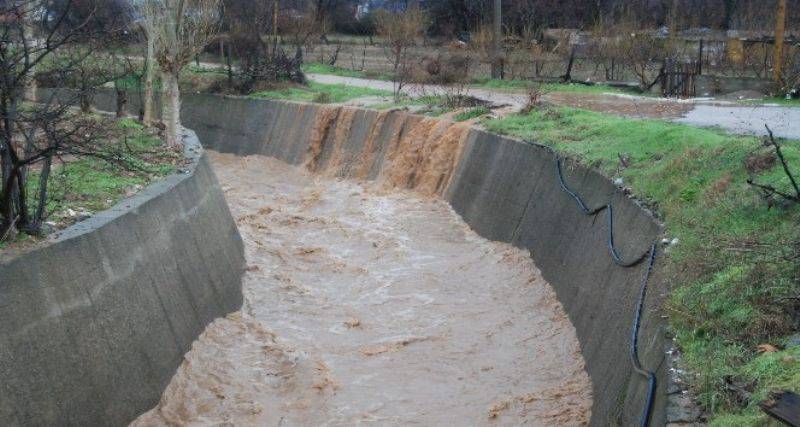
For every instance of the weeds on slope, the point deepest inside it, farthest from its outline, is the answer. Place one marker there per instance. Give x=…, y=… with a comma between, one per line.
x=735, y=303
x=333, y=70
x=322, y=93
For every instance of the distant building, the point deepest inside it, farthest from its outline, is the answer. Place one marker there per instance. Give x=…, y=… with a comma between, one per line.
x=362, y=10
x=365, y=7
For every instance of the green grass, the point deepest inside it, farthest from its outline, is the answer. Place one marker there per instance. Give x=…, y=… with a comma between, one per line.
x=188, y=79
x=319, y=68
x=472, y=113
x=553, y=87
x=319, y=92
x=429, y=105
x=91, y=184
x=736, y=265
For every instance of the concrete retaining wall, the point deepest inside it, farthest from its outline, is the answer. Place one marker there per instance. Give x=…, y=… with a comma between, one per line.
x=506, y=190
x=94, y=325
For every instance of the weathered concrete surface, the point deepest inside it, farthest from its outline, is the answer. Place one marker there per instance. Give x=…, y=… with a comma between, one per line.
x=518, y=199
x=95, y=324
x=506, y=190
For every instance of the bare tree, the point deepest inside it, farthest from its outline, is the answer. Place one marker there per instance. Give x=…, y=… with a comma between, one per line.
x=91, y=67
x=32, y=133
x=263, y=61
x=181, y=29
x=769, y=191
x=149, y=32
x=400, y=32
x=639, y=51
x=310, y=22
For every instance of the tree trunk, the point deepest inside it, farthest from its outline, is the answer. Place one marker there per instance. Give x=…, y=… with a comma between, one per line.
x=568, y=74
x=31, y=86
x=44, y=177
x=86, y=100
x=172, y=109
x=730, y=10
x=6, y=201
x=122, y=100
x=780, y=28
x=229, y=65
x=497, y=42
x=148, y=81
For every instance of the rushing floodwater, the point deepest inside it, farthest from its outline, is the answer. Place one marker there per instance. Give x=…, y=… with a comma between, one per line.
x=364, y=306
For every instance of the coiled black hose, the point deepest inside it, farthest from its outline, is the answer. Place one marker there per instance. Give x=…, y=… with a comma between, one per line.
x=634, y=352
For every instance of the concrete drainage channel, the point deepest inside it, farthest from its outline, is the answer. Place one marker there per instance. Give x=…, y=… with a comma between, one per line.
x=506, y=191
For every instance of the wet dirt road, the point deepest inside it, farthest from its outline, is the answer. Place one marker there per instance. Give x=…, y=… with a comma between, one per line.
x=364, y=306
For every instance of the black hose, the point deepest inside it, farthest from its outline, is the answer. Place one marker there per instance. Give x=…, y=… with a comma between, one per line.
x=612, y=249
x=634, y=351
x=569, y=191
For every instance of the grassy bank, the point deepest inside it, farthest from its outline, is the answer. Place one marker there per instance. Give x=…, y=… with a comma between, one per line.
x=322, y=93
x=518, y=85
x=318, y=68
x=483, y=83
x=430, y=105
x=132, y=157
x=736, y=267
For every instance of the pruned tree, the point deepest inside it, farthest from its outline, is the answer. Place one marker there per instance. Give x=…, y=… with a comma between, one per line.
x=400, y=32
x=181, y=29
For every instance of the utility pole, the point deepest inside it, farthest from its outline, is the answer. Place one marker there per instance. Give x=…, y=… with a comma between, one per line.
x=276, y=6
x=497, y=60
x=780, y=27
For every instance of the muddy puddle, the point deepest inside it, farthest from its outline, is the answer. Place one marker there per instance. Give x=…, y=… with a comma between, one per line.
x=372, y=307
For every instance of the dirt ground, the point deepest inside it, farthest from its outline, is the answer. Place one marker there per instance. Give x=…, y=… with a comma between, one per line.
x=628, y=106
x=638, y=107
x=364, y=305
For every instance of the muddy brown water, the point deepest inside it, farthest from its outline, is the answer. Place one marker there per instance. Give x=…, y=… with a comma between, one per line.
x=368, y=306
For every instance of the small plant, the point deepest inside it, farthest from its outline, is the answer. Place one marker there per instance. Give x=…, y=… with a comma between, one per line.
x=323, y=98
x=472, y=113
x=535, y=94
